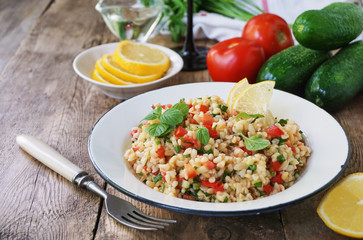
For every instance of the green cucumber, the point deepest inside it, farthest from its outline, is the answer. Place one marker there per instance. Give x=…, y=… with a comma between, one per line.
x=291, y=68
x=330, y=28
x=338, y=79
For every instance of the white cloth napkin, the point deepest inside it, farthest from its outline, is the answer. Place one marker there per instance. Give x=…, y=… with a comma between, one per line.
x=218, y=27
x=215, y=26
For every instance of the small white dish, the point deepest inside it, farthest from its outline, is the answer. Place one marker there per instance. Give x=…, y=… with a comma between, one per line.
x=110, y=138
x=84, y=64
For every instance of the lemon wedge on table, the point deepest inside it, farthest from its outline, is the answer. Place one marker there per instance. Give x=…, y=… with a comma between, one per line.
x=237, y=89
x=112, y=67
x=254, y=98
x=141, y=59
x=341, y=209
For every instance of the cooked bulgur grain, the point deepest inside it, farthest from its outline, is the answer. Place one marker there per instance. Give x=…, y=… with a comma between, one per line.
x=211, y=155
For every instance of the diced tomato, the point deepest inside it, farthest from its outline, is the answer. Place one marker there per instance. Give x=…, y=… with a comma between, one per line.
x=217, y=186
x=190, y=106
x=209, y=164
x=277, y=178
x=180, y=132
x=290, y=146
x=188, y=142
x=145, y=168
x=133, y=132
x=161, y=152
x=204, y=108
x=166, y=106
x=155, y=173
x=268, y=188
x=135, y=148
x=274, y=131
x=179, y=178
x=189, y=197
x=207, y=120
x=190, y=171
x=247, y=151
x=163, y=175
x=213, y=133
x=275, y=166
x=192, y=121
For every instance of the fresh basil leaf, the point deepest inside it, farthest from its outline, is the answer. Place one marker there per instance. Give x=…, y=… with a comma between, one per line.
x=154, y=114
x=183, y=108
x=246, y=115
x=171, y=116
x=255, y=143
x=156, y=129
x=203, y=135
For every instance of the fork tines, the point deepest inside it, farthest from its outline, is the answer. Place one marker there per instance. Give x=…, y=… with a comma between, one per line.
x=140, y=220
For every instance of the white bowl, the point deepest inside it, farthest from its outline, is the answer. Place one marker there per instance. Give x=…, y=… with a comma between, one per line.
x=84, y=64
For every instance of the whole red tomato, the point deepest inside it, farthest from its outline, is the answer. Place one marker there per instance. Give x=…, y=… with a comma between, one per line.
x=270, y=31
x=234, y=59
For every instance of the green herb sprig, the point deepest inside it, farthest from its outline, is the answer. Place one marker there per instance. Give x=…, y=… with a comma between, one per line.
x=255, y=142
x=168, y=120
x=176, y=9
x=246, y=115
x=203, y=135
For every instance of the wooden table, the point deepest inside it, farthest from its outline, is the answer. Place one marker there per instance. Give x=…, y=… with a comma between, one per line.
x=42, y=96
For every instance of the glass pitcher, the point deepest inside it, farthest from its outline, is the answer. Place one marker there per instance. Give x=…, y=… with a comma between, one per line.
x=131, y=19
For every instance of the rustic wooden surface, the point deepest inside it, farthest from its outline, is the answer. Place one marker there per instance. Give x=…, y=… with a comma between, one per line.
x=42, y=96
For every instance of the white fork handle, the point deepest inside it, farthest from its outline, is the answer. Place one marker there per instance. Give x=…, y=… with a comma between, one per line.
x=48, y=156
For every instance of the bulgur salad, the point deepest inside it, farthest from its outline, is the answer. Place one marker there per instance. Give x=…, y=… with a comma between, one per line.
x=197, y=149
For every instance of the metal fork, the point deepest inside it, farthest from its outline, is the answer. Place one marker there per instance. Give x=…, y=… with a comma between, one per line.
x=121, y=210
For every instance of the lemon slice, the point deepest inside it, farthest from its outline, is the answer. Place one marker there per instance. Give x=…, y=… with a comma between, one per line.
x=108, y=76
x=237, y=88
x=255, y=98
x=141, y=59
x=341, y=209
x=118, y=71
x=97, y=77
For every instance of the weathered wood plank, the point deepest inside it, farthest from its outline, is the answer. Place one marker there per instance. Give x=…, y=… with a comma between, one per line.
x=46, y=99
x=265, y=226
x=17, y=18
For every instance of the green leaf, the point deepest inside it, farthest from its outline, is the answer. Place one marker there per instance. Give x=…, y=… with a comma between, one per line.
x=281, y=158
x=203, y=135
x=171, y=116
x=183, y=108
x=258, y=184
x=177, y=148
x=223, y=107
x=281, y=141
x=154, y=114
x=252, y=167
x=157, y=178
x=283, y=122
x=255, y=143
x=246, y=115
x=156, y=129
